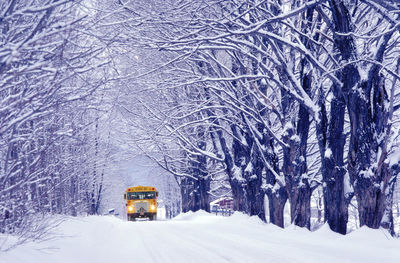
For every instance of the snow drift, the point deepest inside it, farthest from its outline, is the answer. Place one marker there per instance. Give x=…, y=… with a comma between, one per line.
x=201, y=237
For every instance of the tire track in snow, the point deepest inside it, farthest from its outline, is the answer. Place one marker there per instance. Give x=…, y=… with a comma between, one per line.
x=230, y=246
x=173, y=245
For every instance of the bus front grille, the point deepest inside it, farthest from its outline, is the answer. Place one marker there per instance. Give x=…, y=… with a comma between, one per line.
x=142, y=207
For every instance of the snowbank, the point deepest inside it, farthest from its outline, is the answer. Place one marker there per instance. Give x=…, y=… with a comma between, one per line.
x=202, y=237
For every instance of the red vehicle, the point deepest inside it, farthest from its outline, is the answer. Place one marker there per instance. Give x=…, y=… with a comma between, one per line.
x=222, y=206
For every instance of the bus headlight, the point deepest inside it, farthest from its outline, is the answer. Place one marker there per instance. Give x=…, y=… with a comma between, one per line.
x=130, y=208
x=152, y=207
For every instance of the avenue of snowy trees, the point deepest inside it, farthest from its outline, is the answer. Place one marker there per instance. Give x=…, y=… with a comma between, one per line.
x=265, y=101
x=274, y=98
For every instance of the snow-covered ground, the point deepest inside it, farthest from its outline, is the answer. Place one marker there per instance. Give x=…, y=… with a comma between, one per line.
x=201, y=237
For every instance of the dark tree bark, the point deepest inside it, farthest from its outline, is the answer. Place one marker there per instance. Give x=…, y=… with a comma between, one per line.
x=195, y=193
x=331, y=136
x=277, y=193
x=295, y=165
x=333, y=171
x=367, y=107
x=369, y=171
x=253, y=176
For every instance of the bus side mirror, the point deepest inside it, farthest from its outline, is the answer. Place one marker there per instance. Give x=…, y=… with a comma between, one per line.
x=156, y=194
x=124, y=196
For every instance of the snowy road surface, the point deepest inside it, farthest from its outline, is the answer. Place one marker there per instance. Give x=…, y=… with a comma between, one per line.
x=202, y=237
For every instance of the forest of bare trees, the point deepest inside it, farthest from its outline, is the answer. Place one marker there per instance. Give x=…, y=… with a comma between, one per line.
x=268, y=99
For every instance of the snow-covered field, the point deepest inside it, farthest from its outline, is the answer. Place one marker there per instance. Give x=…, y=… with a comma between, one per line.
x=201, y=237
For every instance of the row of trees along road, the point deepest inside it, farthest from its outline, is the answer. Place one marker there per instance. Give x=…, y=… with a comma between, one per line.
x=278, y=97
x=53, y=74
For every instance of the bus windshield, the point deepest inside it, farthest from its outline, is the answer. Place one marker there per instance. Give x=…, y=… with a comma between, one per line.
x=141, y=195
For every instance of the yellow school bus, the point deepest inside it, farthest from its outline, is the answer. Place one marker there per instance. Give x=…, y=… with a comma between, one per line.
x=141, y=202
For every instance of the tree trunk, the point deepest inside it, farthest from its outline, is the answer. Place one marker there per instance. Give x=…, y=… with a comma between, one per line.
x=295, y=165
x=238, y=193
x=331, y=136
x=367, y=104
x=277, y=201
x=202, y=201
x=276, y=192
x=241, y=159
x=195, y=194
x=333, y=172
x=367, y=154
x=255, y=194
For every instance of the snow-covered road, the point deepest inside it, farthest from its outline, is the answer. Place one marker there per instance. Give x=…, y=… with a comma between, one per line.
x=202, y=237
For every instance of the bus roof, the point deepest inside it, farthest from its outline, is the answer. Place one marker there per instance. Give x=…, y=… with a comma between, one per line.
x=140, y=188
